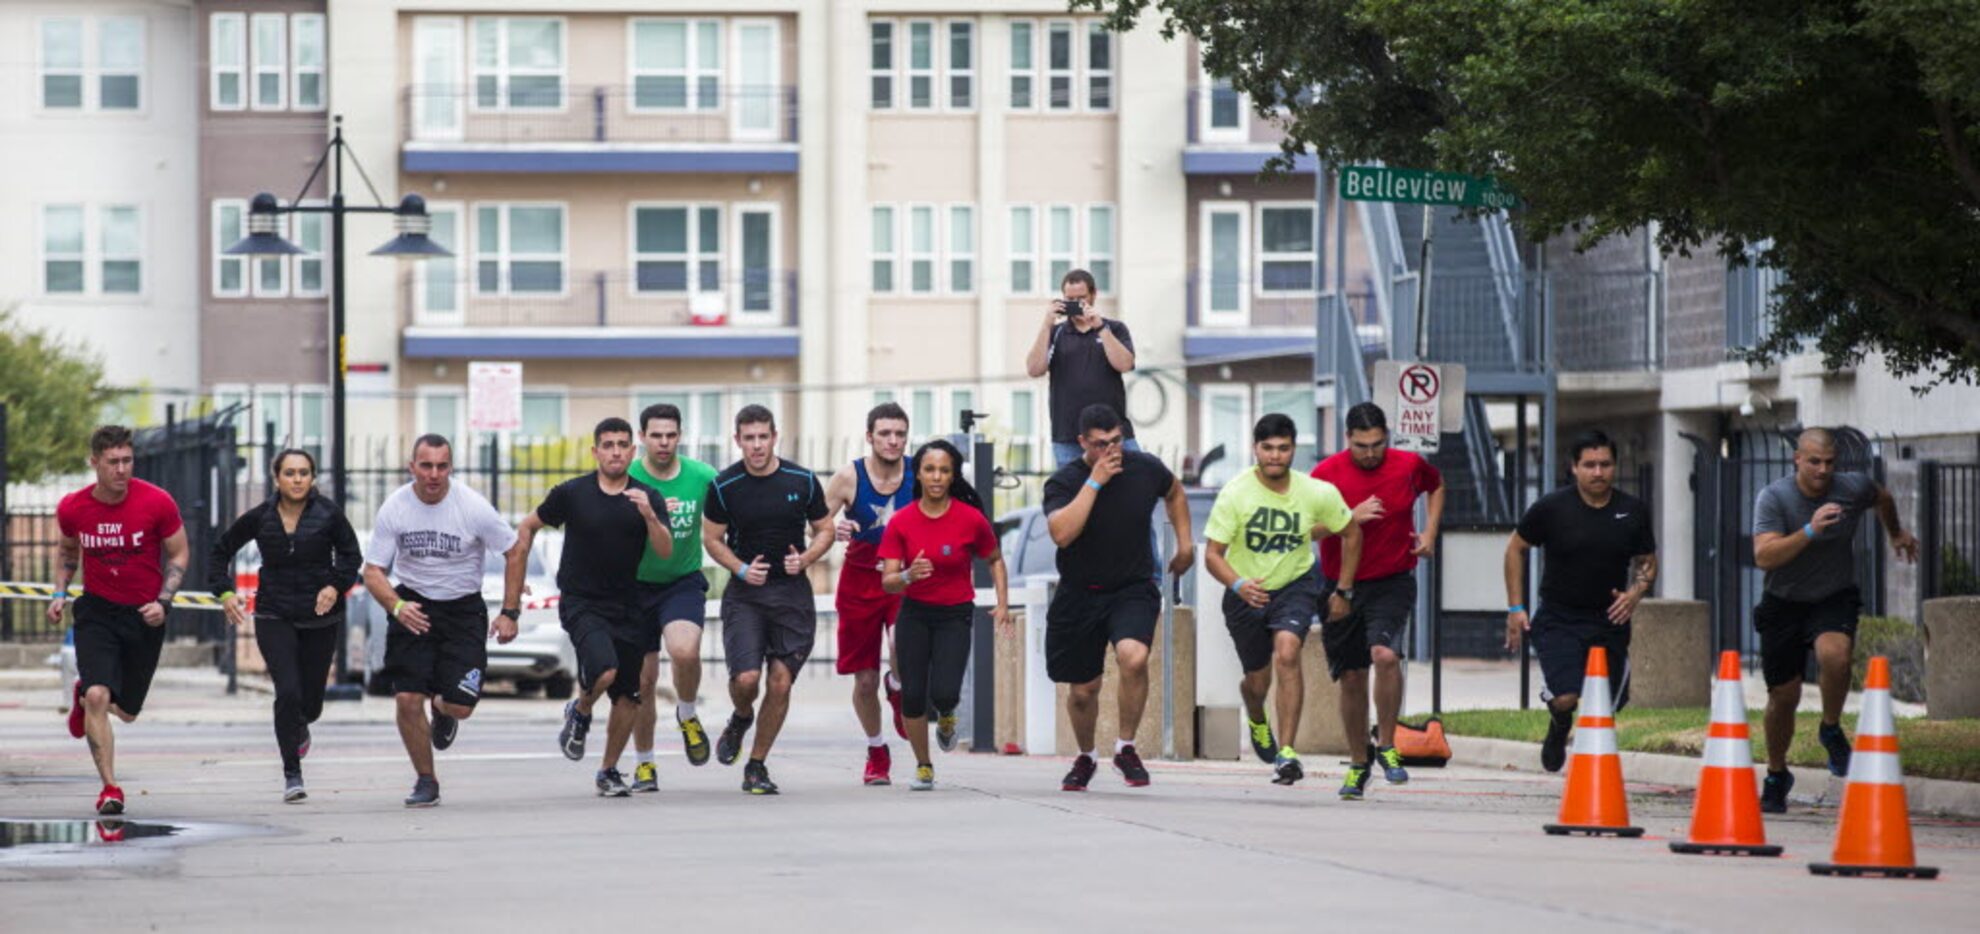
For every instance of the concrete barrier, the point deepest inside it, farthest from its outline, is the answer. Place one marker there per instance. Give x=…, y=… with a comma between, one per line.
x=1320, y=714
x=1670, y=655
x=1952, y=658
x=1148, y=736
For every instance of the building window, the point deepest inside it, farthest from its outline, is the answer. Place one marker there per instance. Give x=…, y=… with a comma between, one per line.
x=1059, y=66
x=227, y=61
x=437, y=281
x=443, y=411
x=271, y=57
x=1100, y=245
x=921, y=249
x=1287, y=255
x=271, y=273
x=1024, y=249
x=1223, y=256
x=86, y=252
x=104, y=75
x=1222, y=113
x=306, y=79
x=1024, y=65
x=1024, y=431
x=229, y=226
x=1296, y=402
x=962, y=64
x=121, y=239
x=1099, y=66
x=756, y=251
x=309, y=237
x=884, y=249
x=881, y=37
x=543, y=413
x=518, y=63
x=1225, y=421
x=961, y=249
x=64, y=260
x=677, y=248
x=1060, y=242
x=677, y=64
x=519, y=249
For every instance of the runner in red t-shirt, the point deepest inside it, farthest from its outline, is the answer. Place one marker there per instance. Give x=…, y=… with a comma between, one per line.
x=869, y=492
x=115, y=529
x=1382, y=485
x=927, y=553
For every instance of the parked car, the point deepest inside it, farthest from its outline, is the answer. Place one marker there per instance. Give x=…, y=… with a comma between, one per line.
x=539, y=659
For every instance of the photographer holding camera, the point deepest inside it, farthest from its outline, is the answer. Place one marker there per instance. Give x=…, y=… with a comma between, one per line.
x=1085, y=353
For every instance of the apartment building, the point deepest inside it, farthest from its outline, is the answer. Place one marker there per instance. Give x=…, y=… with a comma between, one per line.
x=103, y=250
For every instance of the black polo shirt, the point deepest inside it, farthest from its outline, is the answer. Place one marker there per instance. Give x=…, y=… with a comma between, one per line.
x=1079, y=375
x=1112, y=551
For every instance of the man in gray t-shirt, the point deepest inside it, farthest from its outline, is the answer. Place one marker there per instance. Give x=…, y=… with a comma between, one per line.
x=1804, y=533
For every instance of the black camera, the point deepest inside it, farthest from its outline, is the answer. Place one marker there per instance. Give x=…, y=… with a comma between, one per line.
x=1074, y=307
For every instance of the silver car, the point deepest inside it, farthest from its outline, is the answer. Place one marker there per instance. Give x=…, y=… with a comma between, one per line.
x=540, y=658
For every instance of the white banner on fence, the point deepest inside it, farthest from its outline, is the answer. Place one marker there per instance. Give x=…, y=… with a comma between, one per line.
x=495, y=396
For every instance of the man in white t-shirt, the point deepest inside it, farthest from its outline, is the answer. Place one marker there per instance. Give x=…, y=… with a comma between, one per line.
x=432, y=535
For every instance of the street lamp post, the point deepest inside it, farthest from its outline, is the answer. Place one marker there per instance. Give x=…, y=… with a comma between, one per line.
x=410, y=242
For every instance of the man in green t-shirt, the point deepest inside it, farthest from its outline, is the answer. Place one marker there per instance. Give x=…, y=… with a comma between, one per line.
x=673, y=593
x=1260, y=536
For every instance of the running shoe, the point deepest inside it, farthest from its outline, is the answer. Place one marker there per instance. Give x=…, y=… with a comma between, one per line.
x=924, y=778
x=1553, y=750
x=1356, y=783
x=425, y=793
x=571, y=738
x=729, y=745
x=1833, y=740
x=894, y=701
x=445, y=728
x=695, y=738
x=110, y=831
x=879, y=766
x=1128, y=763
x=1392, y=765
x=76, y=712
x=1774, y=791
x=1262, y=742
x=110, y=801
x=646, y=777
x=1082, y=773
x=611, y=784
x=1287, y=769
x=945, y=732
x=302, y=748
x=756, y=779
x=292, y=787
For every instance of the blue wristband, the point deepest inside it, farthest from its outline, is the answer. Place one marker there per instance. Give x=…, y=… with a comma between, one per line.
x=1095, y=486
x=1516, y=608
x=1237, y=586
x=1808, y=530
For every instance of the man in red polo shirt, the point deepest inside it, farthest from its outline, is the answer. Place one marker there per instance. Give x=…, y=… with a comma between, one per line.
x=115, y=530
x=1382, y=485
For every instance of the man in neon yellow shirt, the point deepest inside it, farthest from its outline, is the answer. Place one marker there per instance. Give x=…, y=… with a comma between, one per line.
x=1259, y=535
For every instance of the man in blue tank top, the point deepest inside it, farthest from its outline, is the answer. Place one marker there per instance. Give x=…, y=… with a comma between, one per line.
x=865, y=494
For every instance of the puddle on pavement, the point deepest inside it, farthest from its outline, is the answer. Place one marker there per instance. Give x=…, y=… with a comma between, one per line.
x=72, y=833
x=103, y=841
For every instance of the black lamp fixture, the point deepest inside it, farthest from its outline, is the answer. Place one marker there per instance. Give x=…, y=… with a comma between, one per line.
x=409, y=218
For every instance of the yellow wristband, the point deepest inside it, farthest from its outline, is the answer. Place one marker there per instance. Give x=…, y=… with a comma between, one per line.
x=229, y=595
x=395, y=608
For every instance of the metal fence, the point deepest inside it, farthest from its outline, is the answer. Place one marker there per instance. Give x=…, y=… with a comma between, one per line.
x=1948, y=530
x=648, y=111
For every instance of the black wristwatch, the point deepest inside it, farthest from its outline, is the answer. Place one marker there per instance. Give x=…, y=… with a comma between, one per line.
x=513, y=613
x=1345, y=594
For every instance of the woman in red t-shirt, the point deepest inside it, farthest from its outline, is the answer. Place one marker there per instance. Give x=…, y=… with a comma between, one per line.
x=926, y=553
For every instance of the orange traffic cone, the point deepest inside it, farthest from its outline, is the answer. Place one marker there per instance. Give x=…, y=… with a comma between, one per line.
x=1874, y=836
x=1594, y=802
x=1726, y=818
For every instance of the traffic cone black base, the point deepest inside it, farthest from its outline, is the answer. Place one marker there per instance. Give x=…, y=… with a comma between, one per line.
x=1725, y=849
x=1887, y=872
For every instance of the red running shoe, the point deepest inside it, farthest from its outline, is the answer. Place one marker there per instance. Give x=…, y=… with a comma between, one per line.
x=894, y=701
x=76, y=711
x=111, y=801
x=879, y=762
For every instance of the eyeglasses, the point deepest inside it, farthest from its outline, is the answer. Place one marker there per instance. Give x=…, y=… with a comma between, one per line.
x=1104, y=443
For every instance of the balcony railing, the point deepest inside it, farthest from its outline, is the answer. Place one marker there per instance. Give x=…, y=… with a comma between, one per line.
x=656, y=295
x=653, y=110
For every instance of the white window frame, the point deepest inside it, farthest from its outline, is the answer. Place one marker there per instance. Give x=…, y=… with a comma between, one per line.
x=739, y=109
x=297, y=70
x=691, y=73
x=1029, y=73
x=1208, y=132
x=1091, y=74
x=900, y=73
x=1205, y=315
x=505, y=258
x=101, y=71
x=1307, y=439
x=464, y=270
x=86, y=94
x=320, y=255
x=933, y=72
x=91, y=71
x=455, y=433
x=259, y=64
x=93, y=254
x=1208, y=395
x=1033, y=438
x=950, y=72
x=503, y=70
x=952, y=254
x=215, y=69
x=890, y=73
x=693, y=257
x=1259, y=257
x=279, y=263
x=891, y=256
x=773, y=314
x=1070, y=72
x=43, y=257
x=431, y=101
x=103, y=255
x=932, y=256
x=561, y=393
x=1079, y=73
x=1028, y=253
x=1091, y=259
x=220, y=258
x=1053, y=255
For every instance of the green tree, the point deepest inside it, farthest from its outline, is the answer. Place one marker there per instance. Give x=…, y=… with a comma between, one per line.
x=1832, y=139
x=53, y=395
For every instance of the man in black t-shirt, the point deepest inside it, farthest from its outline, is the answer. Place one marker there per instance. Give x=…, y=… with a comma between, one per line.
x=754, y=522
x=1601, y=560
x=1085, y=355
x=607, y=518
x=1098, y=509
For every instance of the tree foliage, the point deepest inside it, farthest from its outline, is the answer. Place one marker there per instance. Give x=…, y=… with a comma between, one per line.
x=1832, y=139
x=53, y=398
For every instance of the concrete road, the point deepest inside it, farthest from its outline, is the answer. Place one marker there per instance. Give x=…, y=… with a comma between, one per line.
x=521, y=842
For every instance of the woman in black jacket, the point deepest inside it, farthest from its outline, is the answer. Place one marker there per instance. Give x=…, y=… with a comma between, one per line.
x=309, y=559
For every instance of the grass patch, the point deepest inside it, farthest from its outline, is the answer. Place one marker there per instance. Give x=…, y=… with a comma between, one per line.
x=1948, y=749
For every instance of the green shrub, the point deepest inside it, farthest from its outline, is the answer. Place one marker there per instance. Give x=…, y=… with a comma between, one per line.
x=1956, y=574
x=1899, y=640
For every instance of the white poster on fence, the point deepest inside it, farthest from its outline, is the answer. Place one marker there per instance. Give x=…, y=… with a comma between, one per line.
x=495, y=396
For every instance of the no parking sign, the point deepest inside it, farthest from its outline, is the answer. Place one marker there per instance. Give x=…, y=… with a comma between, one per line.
x=1423, y=401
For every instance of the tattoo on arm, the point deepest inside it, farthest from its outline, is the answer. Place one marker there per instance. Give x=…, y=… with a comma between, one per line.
x=1643, y=571
x=175, y=575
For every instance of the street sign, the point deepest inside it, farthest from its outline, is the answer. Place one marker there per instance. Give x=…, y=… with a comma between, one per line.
x=1416, y=186
x=495, y=396
x=1422, y=400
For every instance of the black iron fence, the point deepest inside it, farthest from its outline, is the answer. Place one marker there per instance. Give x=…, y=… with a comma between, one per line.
x=1948, y=530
